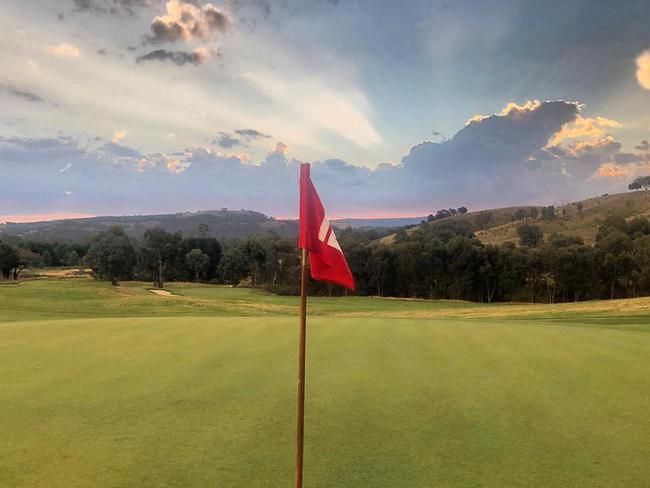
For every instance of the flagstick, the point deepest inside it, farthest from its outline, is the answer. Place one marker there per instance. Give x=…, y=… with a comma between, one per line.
x=300, y=420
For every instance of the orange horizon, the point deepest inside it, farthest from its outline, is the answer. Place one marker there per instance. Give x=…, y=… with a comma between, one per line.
x=29, y=218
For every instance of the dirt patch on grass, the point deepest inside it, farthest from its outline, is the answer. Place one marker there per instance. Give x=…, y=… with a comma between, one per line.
x=625, y=307
x=163, y=293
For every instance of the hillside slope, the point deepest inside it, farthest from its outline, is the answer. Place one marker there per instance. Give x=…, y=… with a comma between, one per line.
x=221, y=224
x=569, y=219
x=577, y=218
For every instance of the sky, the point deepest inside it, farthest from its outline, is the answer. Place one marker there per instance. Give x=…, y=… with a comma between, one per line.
x=113, y=107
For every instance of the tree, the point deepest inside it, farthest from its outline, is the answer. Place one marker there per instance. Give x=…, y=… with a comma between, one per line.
x=530, y=235
x=26, y=259
x=533, y=212
x=638, y=226
x=548, y=213
x=573, y=270
x=640, y=182
x=532, y=263
x=197, y=261
x=519, y=214
x=494, y=262
x=207, y=245
x=614, y=224
x=378, y=267
x=8, y=259
x=255, y=255
x=111, y=255
x=641, y=260
x=613, y=251
x=204, y=230
x=160, y=249
x=558, y=240
x=234, y=266
x=72, y=259
x=462, y=210
x=482, y=219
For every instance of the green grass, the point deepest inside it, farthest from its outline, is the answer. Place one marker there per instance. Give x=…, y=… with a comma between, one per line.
x=121, y=388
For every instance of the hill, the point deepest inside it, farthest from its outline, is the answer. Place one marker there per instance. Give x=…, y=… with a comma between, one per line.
x=221, y=224
x=580, y=218
x=379, y=222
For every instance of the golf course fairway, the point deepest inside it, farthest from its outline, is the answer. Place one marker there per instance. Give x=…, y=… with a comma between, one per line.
x=103, y=387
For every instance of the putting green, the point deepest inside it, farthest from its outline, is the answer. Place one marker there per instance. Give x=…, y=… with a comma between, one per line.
x=204, y=395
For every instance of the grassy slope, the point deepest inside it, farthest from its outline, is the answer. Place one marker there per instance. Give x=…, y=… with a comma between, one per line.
x=199, y=390
x=584, y=224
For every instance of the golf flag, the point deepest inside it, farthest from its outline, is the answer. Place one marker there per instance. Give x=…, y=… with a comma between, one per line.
x=326, y=260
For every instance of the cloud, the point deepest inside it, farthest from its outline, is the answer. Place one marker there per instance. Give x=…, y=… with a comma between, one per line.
x=339, y=111
x=188, y=22
x=64, y=50
x=20, y=93
x=643, y=69
x=643, y=146
x=606, y=146
x=593, y=128
x=118, y=135
x=179, y=58
x=115, y=7
x=511, y=109
x=280, y=149
x=613, y=171
x=623, y=172
x=227, y=141
x=241, y=137
x=501, y=160
x=251, y=133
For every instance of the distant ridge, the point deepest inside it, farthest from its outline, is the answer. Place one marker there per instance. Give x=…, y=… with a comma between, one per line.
x=379, y=222
x=222, y=224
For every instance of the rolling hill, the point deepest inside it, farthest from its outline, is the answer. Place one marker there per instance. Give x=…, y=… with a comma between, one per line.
x=579, y=218
x=221, y=224
x=378, y=222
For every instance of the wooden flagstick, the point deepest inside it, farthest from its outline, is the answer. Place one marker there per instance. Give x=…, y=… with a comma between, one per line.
x=300, y=417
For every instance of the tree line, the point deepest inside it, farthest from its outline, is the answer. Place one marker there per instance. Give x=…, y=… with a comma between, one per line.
x=445, y=260
x=441, y=260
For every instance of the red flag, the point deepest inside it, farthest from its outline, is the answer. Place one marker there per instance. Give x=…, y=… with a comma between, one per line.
x=326, y=259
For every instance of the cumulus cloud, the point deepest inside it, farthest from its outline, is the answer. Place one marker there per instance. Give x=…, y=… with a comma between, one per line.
x=179, y=58
x=503, y=159
x=118, y=135
x=643, y=69
x=185, y=21
x=592, y=128
x=608, y=170
x=20, y=93
x=280, y=149
x=604, y=147
x=64, y=50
